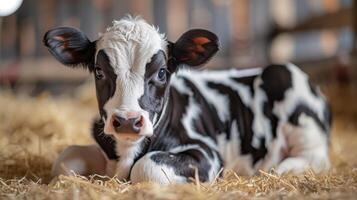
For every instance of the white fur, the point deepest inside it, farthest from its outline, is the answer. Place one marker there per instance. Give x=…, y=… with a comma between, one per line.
x=146, y=169
x=186, y=147
x=308, y=147
x=179, y=84
x=215, y=164
x=127, y=152
x=229, y=149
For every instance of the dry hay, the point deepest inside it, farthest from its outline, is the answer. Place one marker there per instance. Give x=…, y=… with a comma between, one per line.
x=34, y=130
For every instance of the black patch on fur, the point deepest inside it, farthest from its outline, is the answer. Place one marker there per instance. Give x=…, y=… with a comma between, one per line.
x=313, y=89
x=243, y=116
x=273, y=119
x=155, y=91
x=168, y=132
x=276, y=81
x=184, y=163
x=303, y=109
x=328, y=116
x=105, y=88
x=247, y=81
x=106, y=142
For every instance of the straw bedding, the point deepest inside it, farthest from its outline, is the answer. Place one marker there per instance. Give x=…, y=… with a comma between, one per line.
x=33, y=130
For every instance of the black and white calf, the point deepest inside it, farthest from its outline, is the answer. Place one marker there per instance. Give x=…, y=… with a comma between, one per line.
x=160, y=121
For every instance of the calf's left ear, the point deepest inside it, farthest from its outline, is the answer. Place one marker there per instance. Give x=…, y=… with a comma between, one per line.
x=70, y=46
x=195, y=47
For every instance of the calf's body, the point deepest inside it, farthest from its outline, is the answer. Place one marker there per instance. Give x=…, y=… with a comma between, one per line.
x=163, y=122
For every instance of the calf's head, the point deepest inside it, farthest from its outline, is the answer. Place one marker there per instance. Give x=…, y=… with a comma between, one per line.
x=132, y=64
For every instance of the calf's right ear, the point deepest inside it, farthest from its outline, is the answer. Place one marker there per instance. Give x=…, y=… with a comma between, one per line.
x=70, y=46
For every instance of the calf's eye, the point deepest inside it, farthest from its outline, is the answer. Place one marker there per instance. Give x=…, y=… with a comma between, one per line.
x=162, y=74
x=99, y=74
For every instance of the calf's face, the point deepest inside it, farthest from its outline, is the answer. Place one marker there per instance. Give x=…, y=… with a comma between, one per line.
x=132, y=64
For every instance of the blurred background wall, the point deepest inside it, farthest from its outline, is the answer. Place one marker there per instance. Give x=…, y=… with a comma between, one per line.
x=316, y=34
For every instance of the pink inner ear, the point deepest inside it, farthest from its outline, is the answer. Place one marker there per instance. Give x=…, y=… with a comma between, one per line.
x=190, y=56
x=201, y=40
x=63, y=41
x=199, y=49
x=59, y=38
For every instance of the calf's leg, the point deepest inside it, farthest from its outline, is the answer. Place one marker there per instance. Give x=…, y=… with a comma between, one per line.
x=168, y=167
x=82, y=160
x=308, y=147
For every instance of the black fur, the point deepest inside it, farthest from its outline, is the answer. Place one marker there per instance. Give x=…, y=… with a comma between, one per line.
x=187, y=49
x=106, y=142
x=155, y=91
x=105, y=87
x=276, y=81
x=185, y=163
x=70, y=46
x=303, y=109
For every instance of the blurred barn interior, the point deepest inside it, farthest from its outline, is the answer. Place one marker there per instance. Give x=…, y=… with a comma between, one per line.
x=315, y=34
x=318, y=35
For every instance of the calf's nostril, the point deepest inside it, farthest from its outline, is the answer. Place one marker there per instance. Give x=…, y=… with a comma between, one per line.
x=116, y=123
x=139, y=122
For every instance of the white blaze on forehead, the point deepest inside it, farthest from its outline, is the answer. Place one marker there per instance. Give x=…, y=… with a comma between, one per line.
x=130, y=44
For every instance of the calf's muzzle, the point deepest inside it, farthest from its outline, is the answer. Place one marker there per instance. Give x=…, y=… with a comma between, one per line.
x=132, y=124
